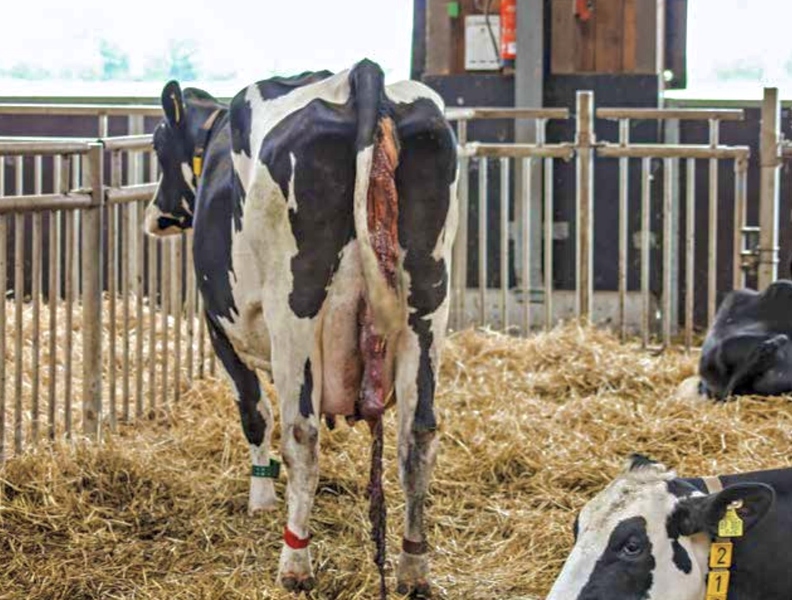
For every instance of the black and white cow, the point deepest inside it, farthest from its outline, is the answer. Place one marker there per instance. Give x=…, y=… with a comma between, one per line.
x=324, y=211
x=647, y=536
x=747, y=348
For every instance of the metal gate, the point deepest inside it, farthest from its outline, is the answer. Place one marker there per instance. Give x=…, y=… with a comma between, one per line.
x=75, y=268
x=662, y=315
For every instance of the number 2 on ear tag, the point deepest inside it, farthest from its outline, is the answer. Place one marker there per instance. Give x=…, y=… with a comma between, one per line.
x=731, y=525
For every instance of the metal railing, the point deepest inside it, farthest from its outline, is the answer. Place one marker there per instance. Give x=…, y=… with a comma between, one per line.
x=583, y=149
x=83, y=271
x=96, y=308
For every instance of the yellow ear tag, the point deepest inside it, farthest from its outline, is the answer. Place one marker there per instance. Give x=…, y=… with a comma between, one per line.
x=197, y=165
x=731, y=525
x=720, y=556
x=717, y=585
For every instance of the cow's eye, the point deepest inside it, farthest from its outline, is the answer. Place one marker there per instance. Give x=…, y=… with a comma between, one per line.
x=632, y=548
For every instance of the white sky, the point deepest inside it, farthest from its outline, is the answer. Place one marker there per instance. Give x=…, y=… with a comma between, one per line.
x=256, y=38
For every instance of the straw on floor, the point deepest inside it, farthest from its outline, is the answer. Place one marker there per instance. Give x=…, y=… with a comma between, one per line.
x=530, y=429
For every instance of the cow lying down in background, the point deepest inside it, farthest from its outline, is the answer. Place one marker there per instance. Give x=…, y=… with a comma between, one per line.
x=747, y=348
x=650, y=535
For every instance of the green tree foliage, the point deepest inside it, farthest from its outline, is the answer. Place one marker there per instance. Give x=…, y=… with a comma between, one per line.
x=115, y=62
x=740, y=70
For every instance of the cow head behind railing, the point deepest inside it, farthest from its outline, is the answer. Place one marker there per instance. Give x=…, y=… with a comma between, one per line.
x=179, y=142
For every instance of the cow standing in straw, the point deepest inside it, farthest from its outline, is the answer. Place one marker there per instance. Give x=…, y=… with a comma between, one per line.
x=324, y=213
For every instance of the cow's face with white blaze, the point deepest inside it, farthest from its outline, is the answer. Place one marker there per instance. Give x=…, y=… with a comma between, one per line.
x=171, y=210
x=647, y=535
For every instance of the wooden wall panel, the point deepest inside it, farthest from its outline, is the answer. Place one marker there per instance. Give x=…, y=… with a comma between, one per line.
x=621, y=36
x=609, y=36
x=647, y=29
x=439, y=53
x=585, y=33
x=630, y=41
x=563, y=41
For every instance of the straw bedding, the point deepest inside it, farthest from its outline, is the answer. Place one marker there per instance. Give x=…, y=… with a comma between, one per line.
x=530, y=429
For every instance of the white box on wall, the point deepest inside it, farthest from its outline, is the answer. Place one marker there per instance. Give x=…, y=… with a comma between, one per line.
x=480, y=54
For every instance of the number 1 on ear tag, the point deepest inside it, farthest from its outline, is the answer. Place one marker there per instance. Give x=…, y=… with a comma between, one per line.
x=731, y=525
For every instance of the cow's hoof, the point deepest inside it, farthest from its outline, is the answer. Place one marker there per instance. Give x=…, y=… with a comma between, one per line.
x=295, y=572
x=417, y=589
x=296, y=583
x=412, y=575
x=262, y=496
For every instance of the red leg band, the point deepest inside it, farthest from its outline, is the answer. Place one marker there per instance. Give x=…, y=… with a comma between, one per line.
x=293, y=542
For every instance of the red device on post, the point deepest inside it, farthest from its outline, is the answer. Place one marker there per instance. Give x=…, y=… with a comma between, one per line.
x=508, y=26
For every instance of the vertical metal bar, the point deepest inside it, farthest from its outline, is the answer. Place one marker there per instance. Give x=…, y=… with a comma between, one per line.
x=201, y=338
x=19, y=293
x=3, y=290
x=712, y=266
x=63, y=176
x=136, y=175
x=68, y=277
x=178, y=277
x=125, y=260
x=690, y=250
x=35, y=296
x=165, y=302
x=740, y=201
x=54, y=260
x=92, y=296
x=646, y=200
x=459, y=270
x=152, y=302
x=624, y=207
x=527, y=170
x=140, y=247
x=504, y=242
x=483, y=205
x=190, y=301
x=112, y=288
x=152, y=341
x=584, y=141
x=668, y=183
x=76, y=216
x=769, y=188
x=102, y=126
x=548, y=242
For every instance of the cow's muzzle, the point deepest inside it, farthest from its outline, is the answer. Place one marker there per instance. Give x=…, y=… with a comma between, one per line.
x=159, y=223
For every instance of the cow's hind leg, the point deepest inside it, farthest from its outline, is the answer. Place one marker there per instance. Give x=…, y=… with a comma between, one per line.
x=255, y=411
x=415, y=384
x=298, y=390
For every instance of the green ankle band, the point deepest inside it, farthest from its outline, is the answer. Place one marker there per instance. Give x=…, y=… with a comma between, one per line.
x=272, y=470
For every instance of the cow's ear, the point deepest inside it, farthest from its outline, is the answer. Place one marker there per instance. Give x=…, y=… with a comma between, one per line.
x=702, y=514
x=173, y=104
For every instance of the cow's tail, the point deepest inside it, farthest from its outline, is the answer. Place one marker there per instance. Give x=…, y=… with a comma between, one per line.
x=376, y=212
x=376, y=199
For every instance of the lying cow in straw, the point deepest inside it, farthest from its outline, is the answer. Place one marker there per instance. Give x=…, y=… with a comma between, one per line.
x=650, y=535
x=747, y=348
x=324, y=213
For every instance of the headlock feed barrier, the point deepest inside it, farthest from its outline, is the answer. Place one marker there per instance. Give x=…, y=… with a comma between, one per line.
x=101, y=323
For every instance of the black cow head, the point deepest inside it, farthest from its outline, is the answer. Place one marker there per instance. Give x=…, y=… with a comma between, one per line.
x=178, y=138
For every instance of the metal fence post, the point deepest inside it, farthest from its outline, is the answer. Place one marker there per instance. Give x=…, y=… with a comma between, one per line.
x=92, y=296
x=584, y=144
x=768, y=203
x=459, y=266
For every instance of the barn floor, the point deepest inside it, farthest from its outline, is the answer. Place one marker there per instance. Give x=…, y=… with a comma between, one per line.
x=530, y=430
